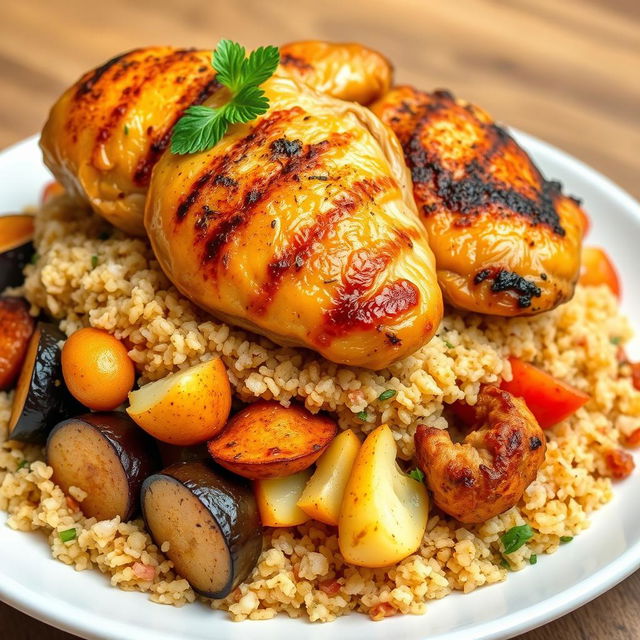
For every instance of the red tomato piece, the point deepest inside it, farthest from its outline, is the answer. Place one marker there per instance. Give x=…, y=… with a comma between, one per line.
x=620, y=463
x=550, y=400
x=597, y=268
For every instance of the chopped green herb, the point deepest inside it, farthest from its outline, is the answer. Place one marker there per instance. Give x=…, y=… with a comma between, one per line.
x=565, y=539
x=416, y=474
x=23, y=464
x=516, y=537
x=448, y=344
x=94, y=262
x=505, y=563
x=363, y=415
x=615, y=340
x=533, y=559
x=34, y=258
x=200, y=128
x=386, y=395
x=68, y=535
x=126, y=130
x=104, y=235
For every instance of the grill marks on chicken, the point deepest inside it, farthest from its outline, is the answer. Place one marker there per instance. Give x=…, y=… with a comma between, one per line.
x=270, y=229
x=105, y=134
x=486, y=206
x=357, y=304
x=137, y=74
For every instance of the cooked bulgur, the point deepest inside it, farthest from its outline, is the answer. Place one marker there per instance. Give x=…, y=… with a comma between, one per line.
x=88, y=274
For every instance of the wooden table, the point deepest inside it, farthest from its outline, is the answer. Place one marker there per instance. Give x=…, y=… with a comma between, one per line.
x=566, y=71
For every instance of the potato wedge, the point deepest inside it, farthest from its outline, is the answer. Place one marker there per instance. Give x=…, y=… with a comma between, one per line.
x=185, y=408
x=277, y=499
x=384, y=512
x=267, y=440
x=322, y=497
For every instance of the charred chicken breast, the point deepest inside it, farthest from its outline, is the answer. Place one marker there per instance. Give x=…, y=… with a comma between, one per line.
x=506, y=241
x=301, y=226
x=105, y=134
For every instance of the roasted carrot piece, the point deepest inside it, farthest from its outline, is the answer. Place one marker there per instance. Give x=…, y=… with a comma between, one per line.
x=549, y=399
x=597, y=268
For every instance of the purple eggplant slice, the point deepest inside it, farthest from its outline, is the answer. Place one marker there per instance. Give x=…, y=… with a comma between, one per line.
x=210, y=519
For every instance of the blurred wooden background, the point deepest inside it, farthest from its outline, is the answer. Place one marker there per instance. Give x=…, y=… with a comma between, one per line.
x=566, y=71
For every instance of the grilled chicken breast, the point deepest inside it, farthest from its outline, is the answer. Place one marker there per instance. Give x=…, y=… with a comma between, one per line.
x=347, y=71
x=105, y=134
x=107, y=131
x=301, y=226
x=506, y=241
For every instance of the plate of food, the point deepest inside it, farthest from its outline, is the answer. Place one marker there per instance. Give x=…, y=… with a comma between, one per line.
x=284, y=342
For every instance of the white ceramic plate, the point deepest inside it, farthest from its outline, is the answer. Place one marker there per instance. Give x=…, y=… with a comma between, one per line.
x=85, y=604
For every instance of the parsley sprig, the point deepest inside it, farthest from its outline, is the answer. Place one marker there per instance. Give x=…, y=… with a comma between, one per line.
x=201, y=127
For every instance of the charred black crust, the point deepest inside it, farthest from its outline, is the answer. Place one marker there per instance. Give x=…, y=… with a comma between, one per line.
x=510, y=281
x=285, y=147
x=504, y=280
x=534, y=443
x=471, y=188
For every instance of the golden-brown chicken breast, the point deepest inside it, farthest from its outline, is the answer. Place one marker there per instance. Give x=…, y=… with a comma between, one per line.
x=348, y=71
x=488, y=472
x=107, y=131
x=301, y=226
x=506, y=241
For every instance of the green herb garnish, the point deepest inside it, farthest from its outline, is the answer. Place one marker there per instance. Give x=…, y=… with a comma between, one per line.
x=565, y=539
x=386, y=395
x=416, y=474
x=34, y=258
x=68, y=535
x=126, y=130
x=533, y=559
x=505, y=563
x=200, y=128
x=94, y=262
x=363, y=415
x=23, y=464
x=615, y=340
x=448, y=344
x=516, y=537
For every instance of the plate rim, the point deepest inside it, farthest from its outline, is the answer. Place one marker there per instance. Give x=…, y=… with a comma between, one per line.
x=73, y=619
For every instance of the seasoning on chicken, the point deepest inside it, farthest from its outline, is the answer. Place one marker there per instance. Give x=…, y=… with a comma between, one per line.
x=506, y=241
x=488, y=472
x=347, y=71
x=301, y=226
x=107, y=131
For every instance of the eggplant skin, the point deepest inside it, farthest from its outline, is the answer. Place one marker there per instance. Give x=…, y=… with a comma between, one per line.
x=231, y=502
x=47, y=398
x=12, y=264
x=134, y=448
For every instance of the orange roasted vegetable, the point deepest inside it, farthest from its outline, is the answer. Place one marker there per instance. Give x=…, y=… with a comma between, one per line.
x=267, y=440
x=597, y=269
x=97, y=369
x=549, y=399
